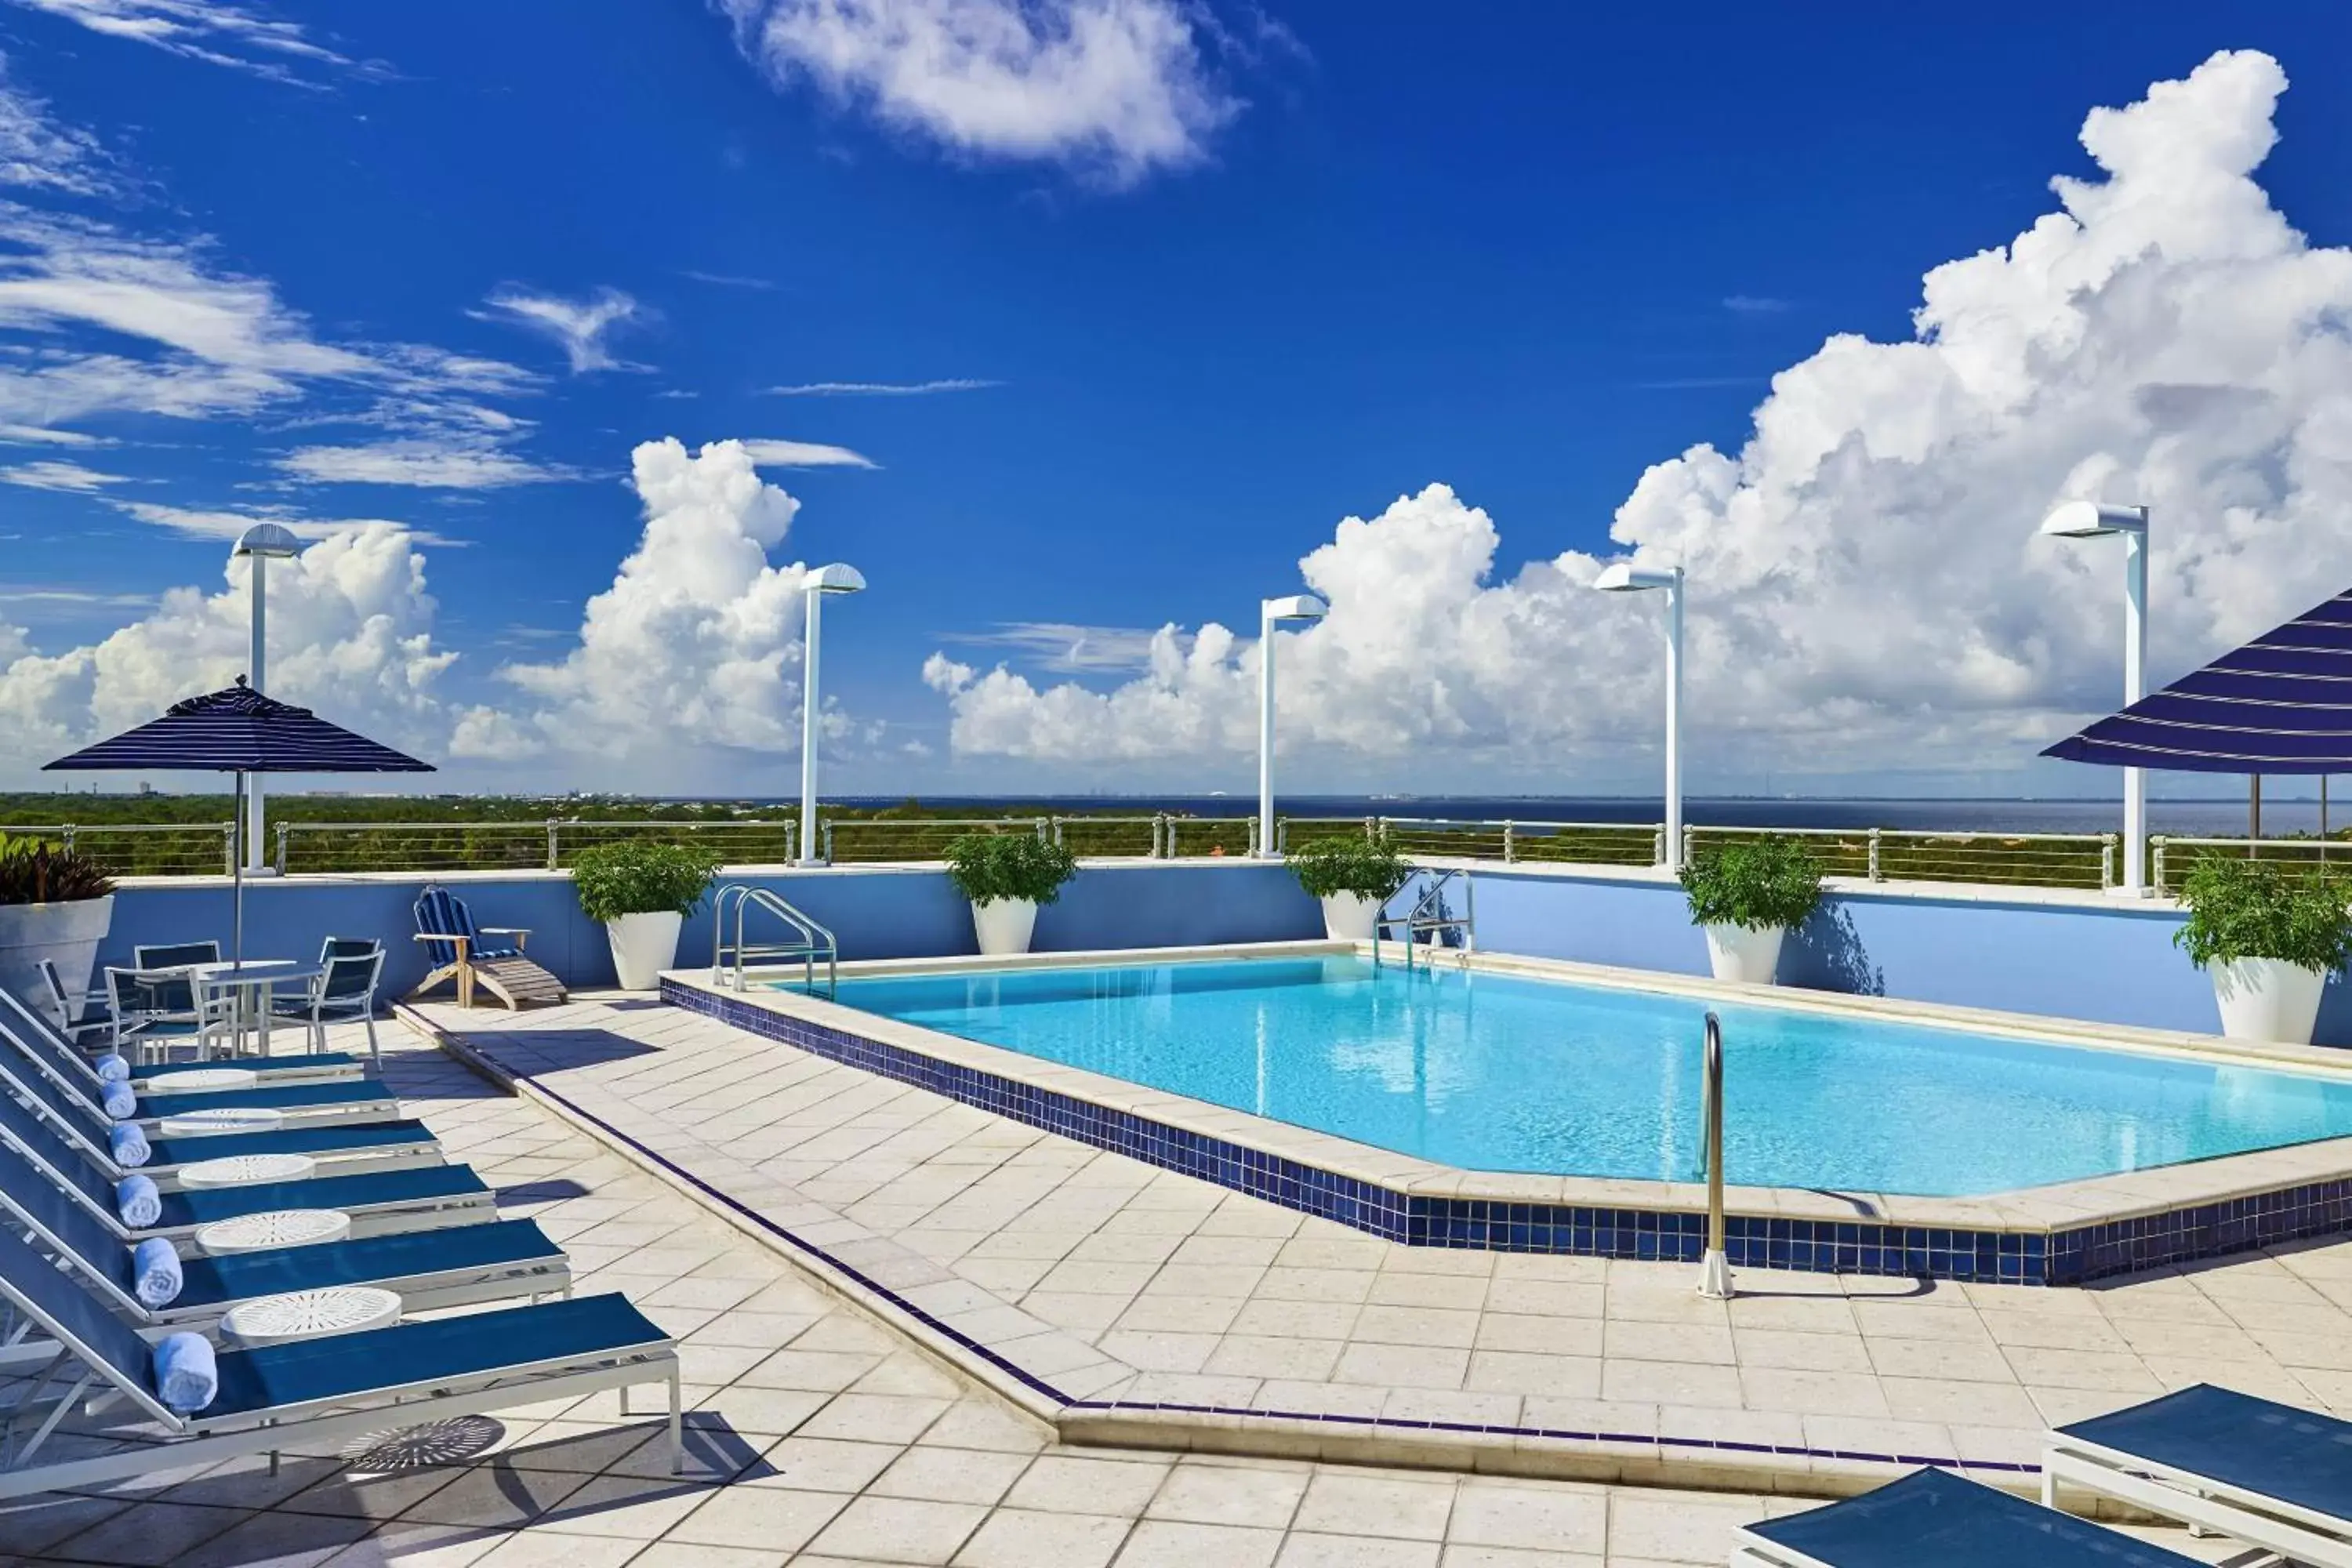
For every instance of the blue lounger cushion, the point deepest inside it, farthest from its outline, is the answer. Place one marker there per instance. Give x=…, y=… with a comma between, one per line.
x=138, y=1203
x=375, y=1189
x=2297, y=1457
x=271, y=1097
x=335, y=1140
x=1931, y=1518
x=438, y=1350
x=187, y=1376
x=241, y=1276
x=271, y=1067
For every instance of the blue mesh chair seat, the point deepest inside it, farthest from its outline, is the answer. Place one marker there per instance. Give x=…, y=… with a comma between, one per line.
x=345, y=994
x=1931, y=1518
x=314, y=1394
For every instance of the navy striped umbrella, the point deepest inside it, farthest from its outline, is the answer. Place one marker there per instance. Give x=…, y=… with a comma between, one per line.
x=238, y=730
x=2281, y=704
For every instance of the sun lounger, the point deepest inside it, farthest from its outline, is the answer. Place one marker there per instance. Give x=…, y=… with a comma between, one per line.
x=321, y=1100
x=2267, y=1474
x=1931, y=1518
x=314, y=1394
x=34, y=1030
x=374, y=1145
x=457, y=1267
x=489, y=956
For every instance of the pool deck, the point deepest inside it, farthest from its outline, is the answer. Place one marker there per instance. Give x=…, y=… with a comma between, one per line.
x=1124, y=1304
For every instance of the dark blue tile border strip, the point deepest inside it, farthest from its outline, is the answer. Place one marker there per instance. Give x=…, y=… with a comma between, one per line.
x=1847, y=1246
x=1376, y=1424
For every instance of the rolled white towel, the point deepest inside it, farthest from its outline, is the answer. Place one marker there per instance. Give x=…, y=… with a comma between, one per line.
x=121, y=1103
x=186, y=1377
x=129, y=1145
x=140, y=1204
x=111, y=1068
x=156, y=1272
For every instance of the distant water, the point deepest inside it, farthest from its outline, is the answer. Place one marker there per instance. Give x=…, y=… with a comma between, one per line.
x=2197, y=818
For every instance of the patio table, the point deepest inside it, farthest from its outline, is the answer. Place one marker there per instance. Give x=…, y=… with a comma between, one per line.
x=254, y=981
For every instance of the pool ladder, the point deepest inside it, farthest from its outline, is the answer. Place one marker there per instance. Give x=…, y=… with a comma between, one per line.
x=1427, y=922
x=1714, y=1268
x=811, y=941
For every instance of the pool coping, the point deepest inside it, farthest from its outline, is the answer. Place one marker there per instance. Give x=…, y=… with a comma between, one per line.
x=2065, y=1234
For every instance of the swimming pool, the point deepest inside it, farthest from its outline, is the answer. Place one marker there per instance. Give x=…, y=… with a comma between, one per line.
x=1497, y=1072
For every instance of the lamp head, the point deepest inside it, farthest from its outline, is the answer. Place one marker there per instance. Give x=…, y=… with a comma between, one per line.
x=1296, y=607
x=267, y=540
x=2089, y=520
x=1624, y=577
x=834, y=579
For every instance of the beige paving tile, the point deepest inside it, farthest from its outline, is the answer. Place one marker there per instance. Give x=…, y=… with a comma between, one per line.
x=1256, y=1494
x=1376, y=1503
x=1402, y=1367
x=1022, y=1538
x=762, y=1518
x=898, y=1530
x=1067, y=1483
x=1305, y=1549
x=1165, y=1543
x=1554, y=1518
x=950, y=1475
x=1669, y=1383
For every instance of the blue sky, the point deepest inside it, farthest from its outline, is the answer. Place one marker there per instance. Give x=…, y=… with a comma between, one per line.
x=1525, y=253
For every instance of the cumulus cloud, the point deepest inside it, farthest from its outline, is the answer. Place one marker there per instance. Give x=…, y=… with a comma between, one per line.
x=58, y=476
x=349, y=630
x=217, y=32
x=579, y=326
x=696, y=643
x=1118, y=88
x=1866, y=589
x=804, y=455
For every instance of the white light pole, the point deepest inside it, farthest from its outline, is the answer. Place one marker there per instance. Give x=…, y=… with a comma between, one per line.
x=1271, y=614
x=1624, y=577
x=834, y=579
x=2090, y=520
x=261, y=543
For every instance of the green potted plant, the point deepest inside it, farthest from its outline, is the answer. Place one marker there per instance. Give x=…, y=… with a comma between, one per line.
x=55, y=903
x=643, y=893
x=2268, y=935
x=1748, y=895
x=1006, y=875
x=1353, y=873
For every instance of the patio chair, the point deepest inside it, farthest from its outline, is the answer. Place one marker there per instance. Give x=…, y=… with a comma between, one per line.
x=319, y=1101
x=351, y=1148
x=175, y=955
x=336, y=947
x=32, y=1027
x=1932, y=1519
x=78, y=1013
x=490, y=956
x=154, y=1011
x=379, y=1202
x=315, y=1395
x=2267, y=1474
x=345, y=994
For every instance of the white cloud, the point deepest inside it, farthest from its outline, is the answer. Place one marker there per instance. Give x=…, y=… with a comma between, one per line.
x=1116, y=87
x=200, y=522
x=351, y=635
x=696, y=643
x=804, y=455
x=580, y=326
x=215, y=31
x=58, y=475
x=37, y=151
x=1066, y=646
x=879, y=388
x=427, y=462
x=728, y=279
x=34, y=435
x=1866, y=588
x=1754, y=305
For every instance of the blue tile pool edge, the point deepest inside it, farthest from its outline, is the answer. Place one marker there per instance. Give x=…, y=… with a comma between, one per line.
x=2070, y=1257
x=1372, y=1425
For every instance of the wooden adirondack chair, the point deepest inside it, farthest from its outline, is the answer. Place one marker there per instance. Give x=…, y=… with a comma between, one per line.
x=490, y=956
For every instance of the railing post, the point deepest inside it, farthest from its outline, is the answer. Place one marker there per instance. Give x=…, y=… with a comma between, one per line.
x=2106, y=862
x=1690, y=841
x=1372, y=826
x=2156, y=858
x=1658, y=846
x=228, y=848
x=284, y=828
x=1510, y=843
x=1876, y=838
x=554, y=843
x=827, y=829
x=68, y=834
x=1159, y=824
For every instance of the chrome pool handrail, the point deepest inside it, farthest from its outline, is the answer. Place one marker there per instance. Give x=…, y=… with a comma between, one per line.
x=815, y=940
x=1715, y=1269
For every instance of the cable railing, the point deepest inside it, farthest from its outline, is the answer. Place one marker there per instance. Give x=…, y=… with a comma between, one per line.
x=2170, y=855
x=2085, y=861
x=548, y=846
x=144, y=848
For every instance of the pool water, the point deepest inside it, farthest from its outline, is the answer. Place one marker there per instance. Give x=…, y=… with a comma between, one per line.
x=1497, y=1072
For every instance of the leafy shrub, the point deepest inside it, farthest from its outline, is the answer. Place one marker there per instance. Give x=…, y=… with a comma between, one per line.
x=986, y=866
x=33, y=871
x=634, y=878
x=2259, y=909
x=1756, y=884
x=1354, y=863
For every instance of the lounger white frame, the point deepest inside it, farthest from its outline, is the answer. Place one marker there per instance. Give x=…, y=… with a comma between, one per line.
x=269, y=1075
x=292, y=1119
x=192, y=1439
x=2224, y=1508
x=1754, y=1552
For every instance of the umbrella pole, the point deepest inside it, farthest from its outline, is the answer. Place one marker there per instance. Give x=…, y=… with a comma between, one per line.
x=237, y=873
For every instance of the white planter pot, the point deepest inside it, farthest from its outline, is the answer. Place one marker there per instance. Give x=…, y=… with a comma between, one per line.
x=1734, y=952
x=1003, y=926
x=1347, y=917
x=2267, y=999
x=643, y=946
x=66, y=934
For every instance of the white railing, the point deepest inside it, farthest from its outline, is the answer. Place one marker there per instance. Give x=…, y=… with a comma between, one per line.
x=2169, y=853
x=548, y=845
x=144, y=848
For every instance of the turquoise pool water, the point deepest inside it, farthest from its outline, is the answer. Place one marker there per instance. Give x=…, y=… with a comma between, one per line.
x=1498, y=1073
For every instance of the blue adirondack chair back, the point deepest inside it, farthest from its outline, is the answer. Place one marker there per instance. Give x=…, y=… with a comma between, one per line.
x=440, y=912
